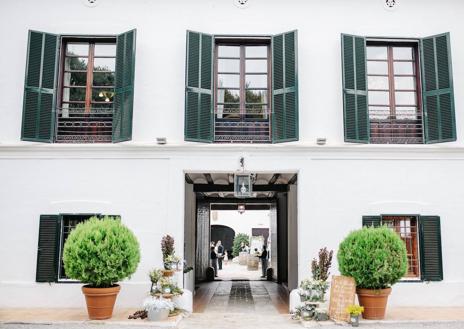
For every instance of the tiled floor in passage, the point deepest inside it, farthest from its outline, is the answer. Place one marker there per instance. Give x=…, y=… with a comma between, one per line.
x=241, y=297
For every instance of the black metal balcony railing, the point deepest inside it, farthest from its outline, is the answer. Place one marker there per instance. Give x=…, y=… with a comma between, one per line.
x=250, y=125
x=405, y=127
x=78, y=125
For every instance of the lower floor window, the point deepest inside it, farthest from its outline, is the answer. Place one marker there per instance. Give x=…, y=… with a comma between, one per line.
x=406, y=228
x=68, y=223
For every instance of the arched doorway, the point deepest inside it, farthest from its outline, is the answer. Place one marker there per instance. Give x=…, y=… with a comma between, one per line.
x=224, y=233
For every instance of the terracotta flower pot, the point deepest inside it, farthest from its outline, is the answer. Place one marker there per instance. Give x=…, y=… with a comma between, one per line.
x=374, y=302
x=100, y=301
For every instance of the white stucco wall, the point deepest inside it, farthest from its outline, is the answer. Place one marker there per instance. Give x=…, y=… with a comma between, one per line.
x=242, y=223
x=144, y=183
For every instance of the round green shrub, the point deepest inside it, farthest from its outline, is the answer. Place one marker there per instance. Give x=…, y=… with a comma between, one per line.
x=375, y=257
x=101, y=252
x=238, y=239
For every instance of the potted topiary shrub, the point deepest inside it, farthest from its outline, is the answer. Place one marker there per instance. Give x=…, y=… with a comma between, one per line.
x=376, y=258
x=99, y=253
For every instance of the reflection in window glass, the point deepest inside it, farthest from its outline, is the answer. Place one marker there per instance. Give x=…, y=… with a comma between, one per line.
x=105, y=49
x=376, y=82
x=228, y=96
x=256, y=66
x=229, y=51
x=77, y=49
x=104, y=64
x=405, y=83
x=377, y=67
x=228, y=80
x=75, y=79
x=405, y=98
x=403, y=68
x=379, y=97
x=374, y=52
x=256, y=81
x=103, y=79
x=229, y=65
x=256, y=96
x=76, y=63
x=403, y=53
x=256, y=51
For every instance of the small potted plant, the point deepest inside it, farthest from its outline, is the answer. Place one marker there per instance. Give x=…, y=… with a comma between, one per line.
x=99, y=253
x=158, y=308
x=167, y=249
x=155, y=275
x=376, y=258
x=354, y=311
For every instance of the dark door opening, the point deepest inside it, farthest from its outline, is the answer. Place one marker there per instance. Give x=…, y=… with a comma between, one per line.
x=206, y=194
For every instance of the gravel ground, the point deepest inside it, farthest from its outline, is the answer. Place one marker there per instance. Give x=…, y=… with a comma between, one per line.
x=198, y=324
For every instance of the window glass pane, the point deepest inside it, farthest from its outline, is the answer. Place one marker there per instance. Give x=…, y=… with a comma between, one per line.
x=79, y=49
x=256, y=81
x=403, y=67
x=379, y=112
x=74, y=94
x=378, y=98
x=256, y=96
x=256, y=51
x=228, y=111
x=405, y=98
x=374, y=52
x=375, y=82
x=377, y=67
x=228, y=51
x=405, y=83
x=75, y=63
x=229, y=65
x=256, y=109
x=103, y=49
x=402, y=53
x=103, y=79
x=102, y=95
x=104, y=64
x=75, y=78
x=228, y=96
x=256, y=65
x=406, y=113
x=228, y=80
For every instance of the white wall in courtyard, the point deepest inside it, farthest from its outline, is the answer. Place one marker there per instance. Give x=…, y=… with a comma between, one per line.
x=242, y=223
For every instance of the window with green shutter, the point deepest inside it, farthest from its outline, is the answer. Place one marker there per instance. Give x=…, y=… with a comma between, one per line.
x=242, y=89
x=397, y=91
x=422, y=238
x=85, y=98
x=53, y=232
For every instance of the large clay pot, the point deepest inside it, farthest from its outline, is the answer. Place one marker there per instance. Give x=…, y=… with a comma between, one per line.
x=100, y=301
x=374, y=302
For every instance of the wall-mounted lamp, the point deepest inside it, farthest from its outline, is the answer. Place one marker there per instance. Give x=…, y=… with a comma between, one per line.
x=243, y=185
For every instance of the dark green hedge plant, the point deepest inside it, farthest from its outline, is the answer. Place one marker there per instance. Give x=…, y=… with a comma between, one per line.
x=238, y=239
x=101, y=252
x=375, y=257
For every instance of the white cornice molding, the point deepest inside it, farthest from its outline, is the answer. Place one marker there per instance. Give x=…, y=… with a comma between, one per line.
x=27, y=150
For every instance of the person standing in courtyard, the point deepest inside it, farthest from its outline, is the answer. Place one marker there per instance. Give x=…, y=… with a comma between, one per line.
x=214, y=261
x=263, y=259
x=220, y=253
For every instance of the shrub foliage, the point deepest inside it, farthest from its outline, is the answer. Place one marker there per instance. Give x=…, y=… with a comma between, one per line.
x=101, y=252
x=238, y=239
x=375, y=257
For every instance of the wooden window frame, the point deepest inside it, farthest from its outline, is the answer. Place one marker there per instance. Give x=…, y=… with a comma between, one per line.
x=91, y=40
x=60, y=277
x=242, y=42
x=390, y=44
x=416, y=241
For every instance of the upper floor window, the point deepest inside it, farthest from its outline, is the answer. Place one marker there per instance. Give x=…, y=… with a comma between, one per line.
x=422, y=238
x=398, y=91
x=85, y=113
x=78, y=89
x=242, y=81
x=241, y=89
x=393, y=93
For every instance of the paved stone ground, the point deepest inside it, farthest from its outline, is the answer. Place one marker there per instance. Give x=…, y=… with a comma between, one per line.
x=239, y=321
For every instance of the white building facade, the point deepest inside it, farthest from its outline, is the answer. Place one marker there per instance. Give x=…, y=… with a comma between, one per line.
x=376, y=82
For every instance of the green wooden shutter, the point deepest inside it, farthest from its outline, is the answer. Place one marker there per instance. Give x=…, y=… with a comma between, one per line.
x=437, y=89
x=355, y=102
x=199, y=116
x=48, y=249
x=285, y=87
x=39, y=103
x=124, y=87
x=430, y=248
x=371, y=221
